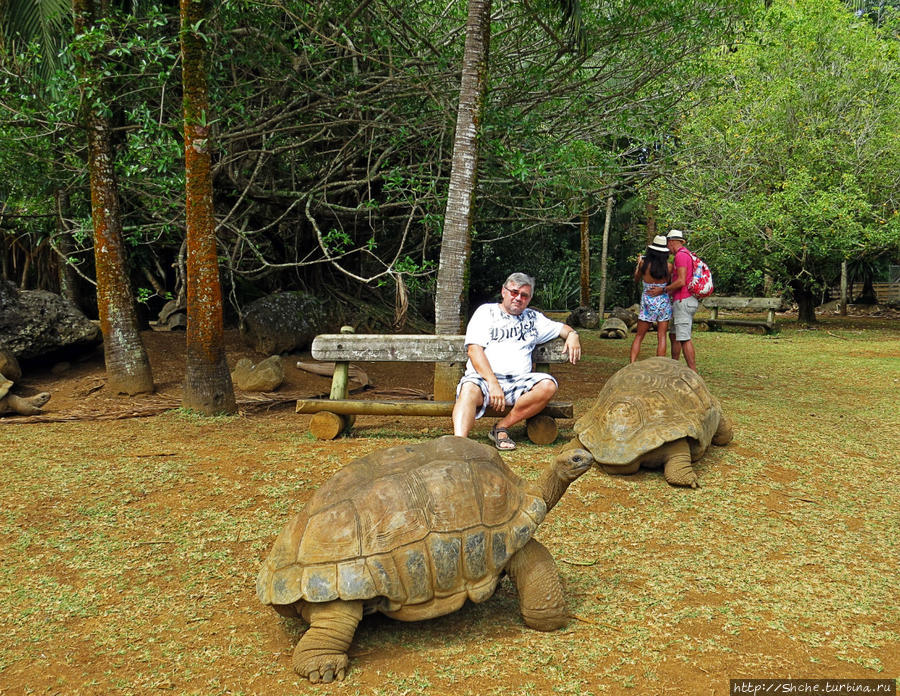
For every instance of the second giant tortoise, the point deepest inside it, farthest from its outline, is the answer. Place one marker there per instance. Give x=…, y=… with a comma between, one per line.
x=613, y=327
x=23, y=406
x=413, y=532
x=652, y=413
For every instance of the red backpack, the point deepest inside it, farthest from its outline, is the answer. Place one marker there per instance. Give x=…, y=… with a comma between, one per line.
x=700, y=282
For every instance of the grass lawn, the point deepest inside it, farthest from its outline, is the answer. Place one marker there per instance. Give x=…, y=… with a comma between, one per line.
x=130, y=547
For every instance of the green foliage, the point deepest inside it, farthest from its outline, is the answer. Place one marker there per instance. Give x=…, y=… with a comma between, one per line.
x=560, y=290
x=340, y=116
x=792, y=169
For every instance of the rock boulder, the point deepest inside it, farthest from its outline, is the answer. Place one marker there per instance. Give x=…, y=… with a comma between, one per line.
x=37, y=323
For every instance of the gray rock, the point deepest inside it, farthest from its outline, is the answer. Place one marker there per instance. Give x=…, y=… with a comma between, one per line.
x=584, y=317
x=35, y=323
x=285, y=322
x=263, y=377
x=629, y=316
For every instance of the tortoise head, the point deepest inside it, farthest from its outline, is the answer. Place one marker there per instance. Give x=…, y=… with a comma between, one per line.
x=571, y=464
x=568, y=466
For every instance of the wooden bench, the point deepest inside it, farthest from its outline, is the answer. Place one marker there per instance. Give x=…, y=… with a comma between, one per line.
x=336, y=414
x=714, y=304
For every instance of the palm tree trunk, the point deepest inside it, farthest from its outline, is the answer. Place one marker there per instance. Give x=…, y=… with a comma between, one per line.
x=585, y=299
x=603, y=254
x=207, y=387
x=127, y=364
x=452, y=280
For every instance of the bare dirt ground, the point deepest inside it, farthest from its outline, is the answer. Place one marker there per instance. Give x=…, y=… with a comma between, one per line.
x=131, y=543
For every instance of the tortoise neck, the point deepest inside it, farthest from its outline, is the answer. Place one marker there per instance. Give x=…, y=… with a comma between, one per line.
x=552, y=487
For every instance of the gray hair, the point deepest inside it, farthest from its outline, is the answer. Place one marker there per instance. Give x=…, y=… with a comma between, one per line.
x=520, y=279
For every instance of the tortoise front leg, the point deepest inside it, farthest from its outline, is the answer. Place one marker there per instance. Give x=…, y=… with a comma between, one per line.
x=29, y=406
x=678, y=470
x=321, y=654
x=540, y=590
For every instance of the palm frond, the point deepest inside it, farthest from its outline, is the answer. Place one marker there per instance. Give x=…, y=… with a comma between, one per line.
x=43, y=21
x=572, y=19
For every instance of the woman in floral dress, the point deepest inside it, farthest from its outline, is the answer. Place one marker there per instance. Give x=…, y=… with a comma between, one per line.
x=654, y=270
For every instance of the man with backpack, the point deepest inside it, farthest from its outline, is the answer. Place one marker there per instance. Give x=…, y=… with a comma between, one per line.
x=684, y=304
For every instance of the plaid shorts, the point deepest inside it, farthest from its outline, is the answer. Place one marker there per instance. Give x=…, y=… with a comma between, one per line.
x=513, y=387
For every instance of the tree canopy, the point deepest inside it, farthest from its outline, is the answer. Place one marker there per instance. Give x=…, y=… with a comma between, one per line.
x=772, y=135
x=789, y=168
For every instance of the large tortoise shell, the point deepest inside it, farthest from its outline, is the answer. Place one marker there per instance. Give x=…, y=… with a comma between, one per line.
x=646, y=404
x=5, y=385
x=407, y=525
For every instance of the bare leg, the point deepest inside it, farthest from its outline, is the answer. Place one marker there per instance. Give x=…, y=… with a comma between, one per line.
x=541, y=598
x=678, y=470
x=470, y=398
x=321, y=654
x=642, y=328
x=689, y=357
x=676, y=347
x=661, y=339
x=530, y=403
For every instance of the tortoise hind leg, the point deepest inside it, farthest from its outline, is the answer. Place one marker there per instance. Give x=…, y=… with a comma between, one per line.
x=537, y=581
x=724, y=433
x=321, y=654
x=678, y=470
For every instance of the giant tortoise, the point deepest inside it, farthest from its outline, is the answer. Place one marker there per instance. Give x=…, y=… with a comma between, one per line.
x=23, y=406
x=652, y=413
x=413, y=532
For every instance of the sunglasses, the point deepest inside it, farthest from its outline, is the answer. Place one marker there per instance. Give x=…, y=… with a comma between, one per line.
x=518, y=293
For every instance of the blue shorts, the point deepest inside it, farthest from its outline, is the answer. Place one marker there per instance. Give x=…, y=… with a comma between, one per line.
x=513, y=387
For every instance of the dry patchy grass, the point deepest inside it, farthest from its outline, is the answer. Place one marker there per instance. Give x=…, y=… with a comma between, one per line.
x=130, y=547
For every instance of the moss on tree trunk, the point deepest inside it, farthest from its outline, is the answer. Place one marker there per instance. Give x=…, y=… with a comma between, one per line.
x=207, y=386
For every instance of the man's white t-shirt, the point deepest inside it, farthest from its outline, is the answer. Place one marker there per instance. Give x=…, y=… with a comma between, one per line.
x=507, y=339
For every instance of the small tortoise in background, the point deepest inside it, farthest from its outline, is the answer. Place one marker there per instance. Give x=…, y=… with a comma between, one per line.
x=613, y=327
x=652, y=413
x=23, y=406
x=413, y=532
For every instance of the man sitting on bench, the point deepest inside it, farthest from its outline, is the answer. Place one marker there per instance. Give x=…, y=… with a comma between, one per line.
x=500, y=338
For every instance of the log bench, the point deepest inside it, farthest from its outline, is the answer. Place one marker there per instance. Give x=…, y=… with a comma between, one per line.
x=336, y=414
x=714, y=304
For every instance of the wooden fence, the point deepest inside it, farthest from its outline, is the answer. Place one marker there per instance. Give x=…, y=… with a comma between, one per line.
x=885, y=292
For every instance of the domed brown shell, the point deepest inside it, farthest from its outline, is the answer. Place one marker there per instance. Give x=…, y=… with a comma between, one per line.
x=405, y=525
x=5, y=384
x=646, y=404
x=613, y=326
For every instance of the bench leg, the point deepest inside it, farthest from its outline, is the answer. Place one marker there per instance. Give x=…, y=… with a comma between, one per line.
x=326, y=425
x=542, y=430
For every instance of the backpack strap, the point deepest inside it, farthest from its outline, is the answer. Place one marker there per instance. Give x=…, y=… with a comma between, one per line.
x=693, y=259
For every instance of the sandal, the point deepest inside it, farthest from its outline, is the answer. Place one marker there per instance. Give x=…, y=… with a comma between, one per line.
x=505, y=443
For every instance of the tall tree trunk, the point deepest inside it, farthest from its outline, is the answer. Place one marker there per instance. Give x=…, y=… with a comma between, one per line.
x=207, y=386
x=127, y=365
x=68, y=279
x=650, y=209
x=806, y=304
x=585, y=300
x=452, y=280
x=843, y=301
x=603, y=253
